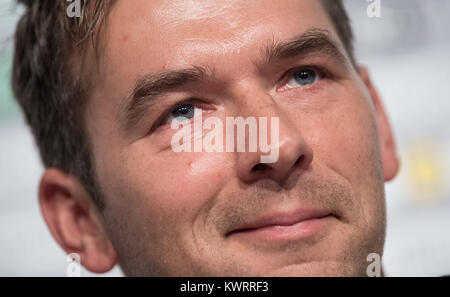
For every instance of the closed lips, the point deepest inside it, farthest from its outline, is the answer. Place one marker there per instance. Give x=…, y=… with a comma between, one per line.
x=282, y=219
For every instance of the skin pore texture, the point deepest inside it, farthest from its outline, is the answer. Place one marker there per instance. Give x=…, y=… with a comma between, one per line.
x=176, y=214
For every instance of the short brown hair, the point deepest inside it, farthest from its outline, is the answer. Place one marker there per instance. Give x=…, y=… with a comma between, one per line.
x=52, y=95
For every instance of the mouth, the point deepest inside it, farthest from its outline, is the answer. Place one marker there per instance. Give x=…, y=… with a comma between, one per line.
x=285, y=226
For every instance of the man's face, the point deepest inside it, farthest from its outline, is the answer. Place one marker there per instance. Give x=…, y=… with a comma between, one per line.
x=318, y=210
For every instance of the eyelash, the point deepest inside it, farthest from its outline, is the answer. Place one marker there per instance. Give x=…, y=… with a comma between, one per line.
x=322, y=72
x=161, y=121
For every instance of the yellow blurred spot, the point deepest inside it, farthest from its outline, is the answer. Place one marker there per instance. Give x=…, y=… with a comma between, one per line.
x=425, y=172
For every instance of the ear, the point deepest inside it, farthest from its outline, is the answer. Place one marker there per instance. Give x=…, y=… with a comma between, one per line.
x=74, y=220
x=387, y=142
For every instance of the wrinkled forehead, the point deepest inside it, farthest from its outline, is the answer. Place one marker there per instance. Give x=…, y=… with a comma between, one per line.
x=147, y=35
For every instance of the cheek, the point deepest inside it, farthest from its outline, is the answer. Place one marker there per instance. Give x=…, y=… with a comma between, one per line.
x=172, y=185
x=349, y=146
x=346, y=143
x=346, y=140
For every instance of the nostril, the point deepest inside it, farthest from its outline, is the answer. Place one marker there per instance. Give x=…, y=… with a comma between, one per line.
x=299, y=160
x=259, y=167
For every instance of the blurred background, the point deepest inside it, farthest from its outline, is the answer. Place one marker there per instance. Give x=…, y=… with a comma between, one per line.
x=405, y=44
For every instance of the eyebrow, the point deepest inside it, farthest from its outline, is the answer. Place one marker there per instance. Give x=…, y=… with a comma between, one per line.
x=312, y=41
x=150, y=87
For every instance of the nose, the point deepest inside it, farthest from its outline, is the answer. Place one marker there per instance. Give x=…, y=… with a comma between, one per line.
x=294, y=153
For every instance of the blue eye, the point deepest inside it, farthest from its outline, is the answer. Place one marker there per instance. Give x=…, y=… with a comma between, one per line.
x=183, y=112
x=186, y=111
x=302, y=78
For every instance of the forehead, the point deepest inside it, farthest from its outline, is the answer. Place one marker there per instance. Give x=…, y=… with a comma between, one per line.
x=153, y=35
